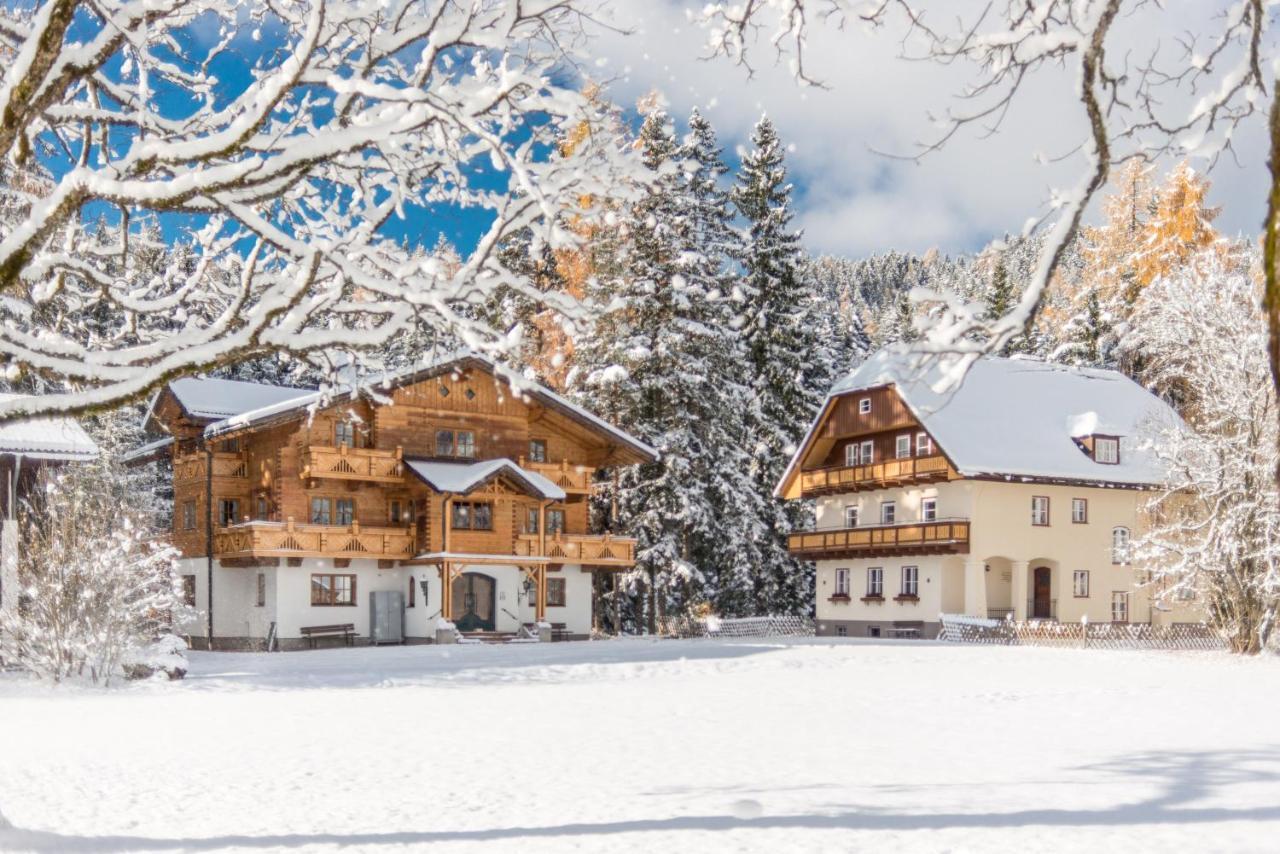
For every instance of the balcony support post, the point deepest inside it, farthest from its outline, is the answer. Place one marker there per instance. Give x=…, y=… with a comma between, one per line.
x=975, y=588
x=1019, y=589
x=540, y=607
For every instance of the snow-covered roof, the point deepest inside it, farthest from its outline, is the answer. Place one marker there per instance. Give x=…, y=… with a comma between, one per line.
x=46, y=438
x=461, y=478
x=212, y=399
x=1019, y=417
x=145, y=452
x=301, y=399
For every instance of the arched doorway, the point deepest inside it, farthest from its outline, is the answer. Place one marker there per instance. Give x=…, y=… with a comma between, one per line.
x=1042, y=593
x=474, y=602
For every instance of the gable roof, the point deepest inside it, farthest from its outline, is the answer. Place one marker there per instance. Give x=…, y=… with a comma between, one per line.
x=1016, y=418
x=46, y=438
x=461, y=478
x=253, y=407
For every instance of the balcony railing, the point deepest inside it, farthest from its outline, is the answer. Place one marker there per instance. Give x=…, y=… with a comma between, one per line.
x=225, y=464
x=602, y=550
x=571, y=478
x=286, y=539
x=873, y=475
x=346, y=463
x=940, y=536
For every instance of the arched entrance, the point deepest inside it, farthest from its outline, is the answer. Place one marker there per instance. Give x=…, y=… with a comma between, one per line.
x=1042, y=593
x=474, y=602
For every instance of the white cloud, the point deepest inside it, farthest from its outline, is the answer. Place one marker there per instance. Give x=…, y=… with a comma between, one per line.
x=851, y=200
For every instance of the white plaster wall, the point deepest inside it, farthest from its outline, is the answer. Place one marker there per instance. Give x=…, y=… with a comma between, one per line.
x=955, y=500
x=235, y=597
x=293, y=594
x=938, y=576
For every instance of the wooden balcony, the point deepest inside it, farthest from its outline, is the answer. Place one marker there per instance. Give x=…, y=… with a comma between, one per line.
x=873, y=476
x=942, y=536
x=286, y=539
x=588, y=550
x=573, y=479
x=346, y=463
x=188, y=467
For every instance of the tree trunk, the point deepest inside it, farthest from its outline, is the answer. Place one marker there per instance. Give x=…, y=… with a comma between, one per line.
x=1270, y=259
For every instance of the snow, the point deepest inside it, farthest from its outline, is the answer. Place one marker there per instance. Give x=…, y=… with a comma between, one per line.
x=45, y=438
x=642, y=745
x=215, y=399
x=462, y=478
x=1020, y=417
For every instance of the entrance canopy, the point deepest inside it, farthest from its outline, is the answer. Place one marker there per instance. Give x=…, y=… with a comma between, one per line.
x=464, y=478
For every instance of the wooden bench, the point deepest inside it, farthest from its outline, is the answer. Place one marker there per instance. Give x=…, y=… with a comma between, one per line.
x=347, y=631
x=559, y=632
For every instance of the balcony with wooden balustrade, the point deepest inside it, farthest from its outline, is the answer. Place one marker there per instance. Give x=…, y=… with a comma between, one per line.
x=287, y=539
x=896, y=472
x=187, y=467
x=346, y=463
x=940, y=536
x=573, y=479
x=585, y=549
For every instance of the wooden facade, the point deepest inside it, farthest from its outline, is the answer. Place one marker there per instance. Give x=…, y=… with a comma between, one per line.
x=337, y=483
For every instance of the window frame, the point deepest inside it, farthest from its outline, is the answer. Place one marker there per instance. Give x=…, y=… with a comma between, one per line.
x=396, y=511
x=554, y=599
x=333, y=590
x=556, y=527
x=189, y=589
x=852, y=455
x=892, y=512
x=1120, y=555
x=902, y=446
x=262, y=590
x=1076, y=577
x=1035, y=511
x=864, y=406
x=841, y=584
x=867, y=452
x=875, y=582
x=412, y=599
x=1111, y=442
x=341, y=504
x=851, y=509
x=327, y=502
x=189, y=519
x=1121, y=598
x=344, y=427
x=1081, y=518
x=929, y=509
x=235, y=511
x=909, y=581
x=470, y=510
x=537, y=450
x=924, y=444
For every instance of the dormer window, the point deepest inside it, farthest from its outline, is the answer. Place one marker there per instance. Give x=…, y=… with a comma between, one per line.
x=864, y=406
x=1106, y=450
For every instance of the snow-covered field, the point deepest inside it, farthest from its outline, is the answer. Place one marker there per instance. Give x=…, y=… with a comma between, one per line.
x=655, y=746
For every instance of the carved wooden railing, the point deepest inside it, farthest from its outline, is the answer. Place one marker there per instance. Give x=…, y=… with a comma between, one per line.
x=346, y=463
x=225, y=464
x=837, y=478
x=573, y=479
x=602, y=550
x=287, y=539
x=943, y=535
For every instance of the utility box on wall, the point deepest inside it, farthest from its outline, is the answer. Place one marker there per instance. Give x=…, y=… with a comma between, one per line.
x=386, y=617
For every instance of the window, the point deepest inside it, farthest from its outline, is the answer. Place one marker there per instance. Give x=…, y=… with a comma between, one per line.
x=321, y=511
x=851, y=516
x=228, y=511
x=1106, y=450
x=263, y=508
x=537, y=450
x=231, y=446
x=868, y=454
x=531, y=520
x=189, y=590
x=842, y=631
x=555, y=592
x=929, y=510
x=873, y=631
x=262, y=589
x=1119, y=607
x=346, y=511
x=344, y=433
x=864, y=406
x=555, y=521
x=329, y=589
x=1080, y=584
x=842, y=583
x=924, y=445
x=888, y=512
x=413, y=592
x=1040, y=510
x=188, y=515
x=395, y=511
x=472, y=516
x=851, y=454
x=1079, y=511
x=455, y=443
x=875, y=581
x=1119, y=545
x=910, y=581
x=902, y=447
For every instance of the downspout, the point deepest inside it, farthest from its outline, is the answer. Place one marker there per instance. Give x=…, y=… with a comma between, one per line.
x=208, y=532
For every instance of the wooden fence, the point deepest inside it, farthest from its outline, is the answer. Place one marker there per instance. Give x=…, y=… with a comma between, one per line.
x=961, y=629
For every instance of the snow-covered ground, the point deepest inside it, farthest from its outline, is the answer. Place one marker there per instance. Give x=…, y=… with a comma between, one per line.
x=655, y=746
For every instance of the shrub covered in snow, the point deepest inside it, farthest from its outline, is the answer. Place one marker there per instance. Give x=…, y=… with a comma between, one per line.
x=98, y=593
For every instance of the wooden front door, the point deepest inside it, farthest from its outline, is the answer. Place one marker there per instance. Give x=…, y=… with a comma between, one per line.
x=474, y=602
x=1041, y=604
